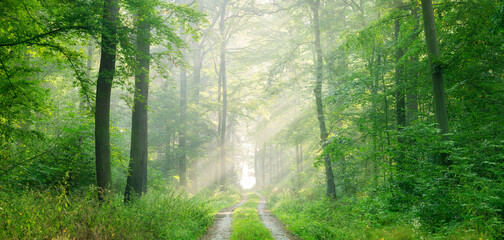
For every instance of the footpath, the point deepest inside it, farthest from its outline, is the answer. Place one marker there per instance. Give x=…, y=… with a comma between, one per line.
x=221, y=229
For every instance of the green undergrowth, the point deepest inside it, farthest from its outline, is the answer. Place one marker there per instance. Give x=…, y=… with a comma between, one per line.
x=311, y=216
x=34, y=214
x=246, y=222
x=216, y=200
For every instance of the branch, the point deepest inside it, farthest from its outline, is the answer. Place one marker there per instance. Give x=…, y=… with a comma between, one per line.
x=26, y=160
x=74, y=67
x=30, y=40
x=10, y=82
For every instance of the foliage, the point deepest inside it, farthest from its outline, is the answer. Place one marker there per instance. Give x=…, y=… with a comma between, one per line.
x=58, y=214
x=361, y=217
x=217, y=200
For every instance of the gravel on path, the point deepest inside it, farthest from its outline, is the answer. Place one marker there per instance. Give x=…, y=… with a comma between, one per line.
x=271, y=222
x=221, y=229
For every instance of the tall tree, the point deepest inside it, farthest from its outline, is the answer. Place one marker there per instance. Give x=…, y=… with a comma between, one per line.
x=137, y=177
x=182, y=129
x=436, y=69
x=331, y=188
x=223, y=81
x=103, y=91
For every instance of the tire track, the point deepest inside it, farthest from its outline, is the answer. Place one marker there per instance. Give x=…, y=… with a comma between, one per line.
x=221, y=229
x=271, y=222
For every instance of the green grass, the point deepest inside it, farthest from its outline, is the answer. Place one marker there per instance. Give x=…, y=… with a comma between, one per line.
x=49, y=215
x=312, y=217
x=246, y=222
x=217, y=200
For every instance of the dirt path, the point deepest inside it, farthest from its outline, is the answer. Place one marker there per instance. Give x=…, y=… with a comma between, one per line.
x=221, y=229
x=271, y=222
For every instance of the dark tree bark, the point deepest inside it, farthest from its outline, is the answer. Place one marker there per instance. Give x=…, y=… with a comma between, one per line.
x=137, y=177
x=331, y=188
x=436, y=73
x=103, y=91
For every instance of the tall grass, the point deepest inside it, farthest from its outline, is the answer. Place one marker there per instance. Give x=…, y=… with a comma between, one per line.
x=312, y=216
x=216, y=200
x=48, y=215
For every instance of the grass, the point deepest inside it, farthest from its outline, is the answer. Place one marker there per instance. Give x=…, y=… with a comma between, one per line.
x=312, y=217
x=48, y=215
x=246, y=222
x=217, y=200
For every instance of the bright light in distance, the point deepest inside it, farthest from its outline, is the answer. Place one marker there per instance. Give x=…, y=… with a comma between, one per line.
x=247, y=181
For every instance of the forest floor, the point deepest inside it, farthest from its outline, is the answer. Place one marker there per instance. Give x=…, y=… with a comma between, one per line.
x=222, y=227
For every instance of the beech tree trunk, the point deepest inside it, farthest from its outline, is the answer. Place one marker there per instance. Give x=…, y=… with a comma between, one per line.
x=103, y=91
x=331, y=188
x=197, y=65
x=137, y=177
x=182, y=130
x=222, y=74
x=436, y=73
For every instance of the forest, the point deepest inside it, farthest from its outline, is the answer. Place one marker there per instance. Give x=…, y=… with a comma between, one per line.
x=251, y=119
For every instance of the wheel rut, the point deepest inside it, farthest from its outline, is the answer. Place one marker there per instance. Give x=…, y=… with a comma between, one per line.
x=271, y=222
x=221, y=229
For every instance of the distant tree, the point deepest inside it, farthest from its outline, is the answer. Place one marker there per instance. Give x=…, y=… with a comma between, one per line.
x=182, y=129
x=223, y=84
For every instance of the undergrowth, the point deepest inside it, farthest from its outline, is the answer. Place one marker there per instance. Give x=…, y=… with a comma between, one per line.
x=312, y=216
x=55, y=215
x=246, y=222
x=217, y=200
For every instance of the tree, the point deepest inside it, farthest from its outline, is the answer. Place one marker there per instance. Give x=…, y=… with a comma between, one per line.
x=436, y=69
x=182, y=129
x=137, y=177
x=223, y=84
x=103, y=91
x=331, y=188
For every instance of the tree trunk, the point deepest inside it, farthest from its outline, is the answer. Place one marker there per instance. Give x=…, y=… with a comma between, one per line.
x=197, y=65
x=331, y=188
x=182, y=130
x=137, y=177
x=263, y=167
x=103, y=92
x=400, y=96
x=399, y=80
x=436, y=73
x=194, y=177
x=222, y=74
x=298, y=167
x=256, y=167
x=411, y=96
